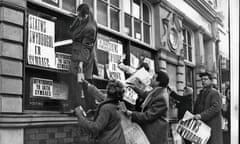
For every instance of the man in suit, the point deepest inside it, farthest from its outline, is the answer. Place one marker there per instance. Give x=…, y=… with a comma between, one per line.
x=208, y=108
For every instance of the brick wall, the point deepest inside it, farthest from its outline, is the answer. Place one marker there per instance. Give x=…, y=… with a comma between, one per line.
x=11, y=54
x=68, y=134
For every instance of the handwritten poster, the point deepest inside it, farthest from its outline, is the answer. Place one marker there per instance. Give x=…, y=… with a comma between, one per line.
x=41, y=37
x=41, y=87
x=63, y=61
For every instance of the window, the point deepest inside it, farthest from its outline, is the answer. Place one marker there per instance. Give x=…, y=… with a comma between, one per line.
x=68, y=5
x=189, y=76
x=108, y=13
x=137, y=20
x=188, y=45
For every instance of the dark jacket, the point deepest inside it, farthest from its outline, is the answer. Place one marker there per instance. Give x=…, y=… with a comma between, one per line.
x=152, y=119
x=208, y=105
x=107, y=122
x=84, y=33
x=184, y=103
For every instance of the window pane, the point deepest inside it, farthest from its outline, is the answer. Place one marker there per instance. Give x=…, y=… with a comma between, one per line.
x=102, y=12
x=185, y=51
x=89, y=2
x=189, y=76
x=184, y=36
x=190, y=53
x=146, y=29
x=145, y=13
x=127, y=6
x=189, y=37
x=136, y=9
x=114, y=17
x=69, y=5
x=137, y=29
x=128, y=25
x=114, y=2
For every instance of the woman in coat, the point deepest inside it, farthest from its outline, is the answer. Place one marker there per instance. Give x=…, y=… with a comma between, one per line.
x=153, y=116
x=107, y=121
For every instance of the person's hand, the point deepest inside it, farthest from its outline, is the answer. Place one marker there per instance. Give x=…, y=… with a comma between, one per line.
x=197, y=117
x=80, y=77
x=79, y=111
x=169, y=89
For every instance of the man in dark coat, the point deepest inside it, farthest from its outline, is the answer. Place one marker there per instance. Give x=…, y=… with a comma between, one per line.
x=153, y=116
x=208, y=108
x=184, y=102
x=83, y=60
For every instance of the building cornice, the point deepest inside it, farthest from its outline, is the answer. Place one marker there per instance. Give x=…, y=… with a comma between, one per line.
x=205, y=10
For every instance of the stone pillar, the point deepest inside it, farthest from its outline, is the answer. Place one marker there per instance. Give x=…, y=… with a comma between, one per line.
x=200, y=56
x=11, y=65
x=210, y=61
x=180, y=75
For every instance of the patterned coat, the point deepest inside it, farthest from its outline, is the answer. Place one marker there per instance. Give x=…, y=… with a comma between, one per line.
x=208, y=105
x=152, y=119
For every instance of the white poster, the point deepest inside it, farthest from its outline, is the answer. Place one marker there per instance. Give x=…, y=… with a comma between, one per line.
x=41, y=37
x=42, y=87
x=193, y=130
x=130, y=96
x=134, y=61
x=63, y=61
x=150, y=63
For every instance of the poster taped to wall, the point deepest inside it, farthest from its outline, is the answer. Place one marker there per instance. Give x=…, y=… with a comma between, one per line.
x=41, y=37
x=193, y=130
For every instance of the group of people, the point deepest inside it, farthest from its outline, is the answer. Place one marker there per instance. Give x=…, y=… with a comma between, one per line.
x=151, y=114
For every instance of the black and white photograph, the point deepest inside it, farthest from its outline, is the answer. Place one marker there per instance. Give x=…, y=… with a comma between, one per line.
x=119, y=71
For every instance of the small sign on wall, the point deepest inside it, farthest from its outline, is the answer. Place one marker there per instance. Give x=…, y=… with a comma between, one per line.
x=41, y=87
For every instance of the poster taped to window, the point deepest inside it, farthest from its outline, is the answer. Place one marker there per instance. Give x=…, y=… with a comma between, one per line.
x=63, y=61
x=41, y=37
x=41, y=87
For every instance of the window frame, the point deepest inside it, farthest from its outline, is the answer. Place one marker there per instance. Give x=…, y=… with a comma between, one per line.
x=132, y=19
x=185, y=43
x=142, y=22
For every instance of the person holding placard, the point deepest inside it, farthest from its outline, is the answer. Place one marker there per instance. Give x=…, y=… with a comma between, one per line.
x=153, y=115
x=208, y=108
x=106, y=124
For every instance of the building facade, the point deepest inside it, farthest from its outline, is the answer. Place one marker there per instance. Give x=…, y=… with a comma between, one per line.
x=179, y=37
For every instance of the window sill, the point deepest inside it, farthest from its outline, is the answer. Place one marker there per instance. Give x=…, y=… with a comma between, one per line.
x=35, y=119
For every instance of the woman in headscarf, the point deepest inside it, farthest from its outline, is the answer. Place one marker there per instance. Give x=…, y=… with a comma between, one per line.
x=106, y=125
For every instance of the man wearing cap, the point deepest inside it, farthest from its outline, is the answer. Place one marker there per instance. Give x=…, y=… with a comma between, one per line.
x=208, y=108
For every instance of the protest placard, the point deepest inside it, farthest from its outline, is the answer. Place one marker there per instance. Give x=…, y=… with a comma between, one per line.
x=41, y=87
x=193, y=130
x=130, y=96
x=141, y=79
x=41, y=38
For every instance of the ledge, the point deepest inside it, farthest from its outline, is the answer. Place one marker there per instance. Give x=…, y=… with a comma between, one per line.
x=27, y=120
